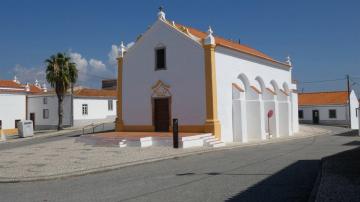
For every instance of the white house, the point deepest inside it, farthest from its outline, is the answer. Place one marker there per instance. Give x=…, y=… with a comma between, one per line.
x=87, y=106
x=13, y=103
x=210, y=84
x=330, y=108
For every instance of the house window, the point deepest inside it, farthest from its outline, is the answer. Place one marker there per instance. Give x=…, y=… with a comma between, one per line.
x=45, y=100
x=0, y=124
x=160, y=59
x=16, y=123
x=45, y=113
x=84, y=109
x=301, y=114
x=332, y=113
x=110, y=105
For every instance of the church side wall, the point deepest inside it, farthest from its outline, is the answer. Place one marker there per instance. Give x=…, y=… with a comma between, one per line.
x=229, y=65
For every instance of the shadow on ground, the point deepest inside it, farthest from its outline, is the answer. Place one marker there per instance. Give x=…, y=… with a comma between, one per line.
x=296, y=182
x=293, y=183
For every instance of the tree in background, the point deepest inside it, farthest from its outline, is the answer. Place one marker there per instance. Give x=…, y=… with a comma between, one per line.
x=61, y=74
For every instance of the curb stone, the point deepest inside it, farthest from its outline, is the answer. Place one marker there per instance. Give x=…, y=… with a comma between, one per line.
x=151, y=160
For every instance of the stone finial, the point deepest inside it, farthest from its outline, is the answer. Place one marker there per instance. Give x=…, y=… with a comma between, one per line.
x=122, y=50
x=16, y=80
x=161, y=13
x=44, y=88
x=209, y=38
x=288, y=60
x=27, y=87
x=37, y=83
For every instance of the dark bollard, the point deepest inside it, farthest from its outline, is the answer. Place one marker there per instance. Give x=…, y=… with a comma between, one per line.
x=175, y=133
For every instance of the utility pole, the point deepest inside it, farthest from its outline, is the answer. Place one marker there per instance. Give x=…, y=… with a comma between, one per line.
x=348, y=91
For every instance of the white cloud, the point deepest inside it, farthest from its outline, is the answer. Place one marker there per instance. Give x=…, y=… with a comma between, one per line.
x=97, y=65
x=81, y=63
x=29, y=75
x=114, y=52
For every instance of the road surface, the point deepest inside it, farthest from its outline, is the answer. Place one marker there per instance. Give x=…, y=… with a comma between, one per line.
x=284, y=171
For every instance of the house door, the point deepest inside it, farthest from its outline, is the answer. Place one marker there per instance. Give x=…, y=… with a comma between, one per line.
x=161, y=114
x=315, y=116
x=32, y=117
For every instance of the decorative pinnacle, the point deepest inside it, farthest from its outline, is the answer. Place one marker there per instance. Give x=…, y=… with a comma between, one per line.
x=161, y=13
x=209, y=31
x=122, y=50
x=44, y=88
x=288, y=60
x=209, y=38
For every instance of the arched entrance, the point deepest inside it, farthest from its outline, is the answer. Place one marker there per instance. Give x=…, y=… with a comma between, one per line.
x=161, y=107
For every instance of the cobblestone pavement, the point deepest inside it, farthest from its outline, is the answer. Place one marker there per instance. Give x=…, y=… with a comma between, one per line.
x=73, y=156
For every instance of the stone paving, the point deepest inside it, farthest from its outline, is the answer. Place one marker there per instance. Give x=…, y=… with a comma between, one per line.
x=76, y=156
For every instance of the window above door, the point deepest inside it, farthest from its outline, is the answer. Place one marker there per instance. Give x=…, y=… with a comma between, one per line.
x=160, y=58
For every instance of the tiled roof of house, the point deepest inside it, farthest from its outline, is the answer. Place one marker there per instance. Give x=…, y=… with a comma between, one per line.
x=9, y=84
x=34, y=89
x=231, y=45
x=88, y=92
x=323, y=98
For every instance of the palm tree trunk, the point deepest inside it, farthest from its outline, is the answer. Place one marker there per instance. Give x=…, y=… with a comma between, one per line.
x=60, y=112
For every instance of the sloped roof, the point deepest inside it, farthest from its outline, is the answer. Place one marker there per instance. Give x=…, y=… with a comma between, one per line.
x=323, y=98
x=34, y=89
x=88, y=92
x=230, y=44
x=9, y=84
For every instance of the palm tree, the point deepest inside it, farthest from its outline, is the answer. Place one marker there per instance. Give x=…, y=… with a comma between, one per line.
x=61, y=74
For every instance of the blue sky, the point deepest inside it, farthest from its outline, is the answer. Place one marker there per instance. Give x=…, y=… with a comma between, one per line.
x=322, y=37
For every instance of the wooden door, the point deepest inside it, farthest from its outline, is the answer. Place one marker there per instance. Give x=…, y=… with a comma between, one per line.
x=162, y=114
x=315, y=114
x=32, y=117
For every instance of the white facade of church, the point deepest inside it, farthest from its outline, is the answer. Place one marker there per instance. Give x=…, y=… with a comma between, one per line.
x=223, y=90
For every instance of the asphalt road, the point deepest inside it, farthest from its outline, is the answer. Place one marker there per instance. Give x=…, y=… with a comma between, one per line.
x=284, y=171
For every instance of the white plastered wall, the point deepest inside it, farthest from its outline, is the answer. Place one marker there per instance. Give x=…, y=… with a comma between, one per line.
x=36, y=105
x=229, y=65
x=12, y=107
x=354, y=104
x=184, y=74
x=98, y=111
x=341, y=113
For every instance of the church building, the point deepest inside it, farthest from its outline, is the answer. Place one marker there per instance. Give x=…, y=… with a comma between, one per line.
x=210, y=84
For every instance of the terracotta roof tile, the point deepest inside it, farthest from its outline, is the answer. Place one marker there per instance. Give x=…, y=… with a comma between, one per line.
x=231, y=45
x=88, y=92
x=35, y=89
x=323, y=98
x=9, y=84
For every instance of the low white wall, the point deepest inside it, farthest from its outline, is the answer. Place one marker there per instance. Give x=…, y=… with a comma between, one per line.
x=97, y=111
x=12, y=107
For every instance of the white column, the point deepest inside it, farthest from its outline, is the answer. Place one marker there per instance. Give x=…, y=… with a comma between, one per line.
x=243, y=121
x=289, y=111
x=262, y=118
x=276, y=116
x=295, y=111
